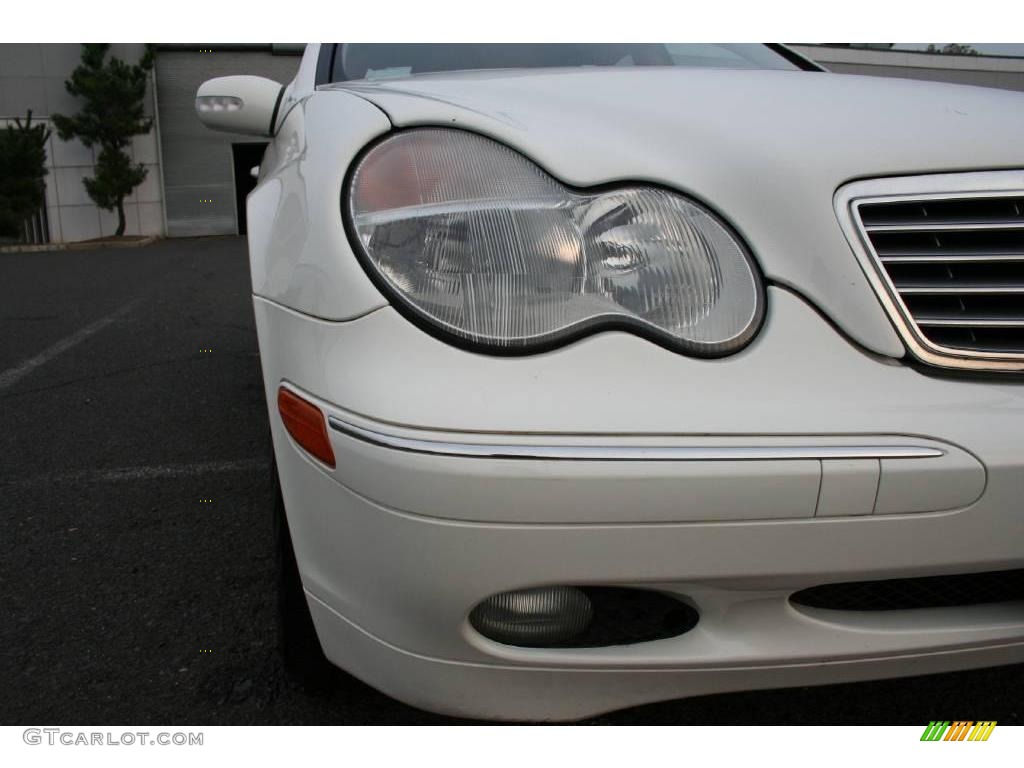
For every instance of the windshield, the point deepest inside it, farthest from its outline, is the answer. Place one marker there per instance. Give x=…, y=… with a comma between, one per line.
x=364, y=61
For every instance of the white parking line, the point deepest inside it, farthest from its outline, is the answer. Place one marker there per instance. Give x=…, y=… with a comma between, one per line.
x=151, y=472
x=18, y=372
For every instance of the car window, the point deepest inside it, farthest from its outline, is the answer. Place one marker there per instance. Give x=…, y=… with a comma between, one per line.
x=366, y=61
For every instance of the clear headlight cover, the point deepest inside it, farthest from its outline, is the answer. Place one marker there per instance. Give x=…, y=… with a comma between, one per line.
x=484, y=245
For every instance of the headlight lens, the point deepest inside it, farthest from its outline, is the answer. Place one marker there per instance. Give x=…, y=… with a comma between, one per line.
x=484, y=245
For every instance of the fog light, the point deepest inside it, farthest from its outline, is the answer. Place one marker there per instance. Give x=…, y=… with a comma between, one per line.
x=542, y=616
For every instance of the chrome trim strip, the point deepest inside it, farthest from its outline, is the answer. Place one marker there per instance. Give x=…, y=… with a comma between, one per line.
x=950, y=257
x=628, y=452
x=964, y=227
x=954, y=186
x=970, y=322
x=967, y=290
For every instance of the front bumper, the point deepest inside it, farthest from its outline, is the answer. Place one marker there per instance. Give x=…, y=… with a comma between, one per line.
x=397, y=545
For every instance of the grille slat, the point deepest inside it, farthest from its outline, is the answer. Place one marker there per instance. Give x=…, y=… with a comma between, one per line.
x=946, y=257
x=976, y=208
x=961, y=322
x=975, y=290
x=920, y=592
x=947, y=226
x=957, y=267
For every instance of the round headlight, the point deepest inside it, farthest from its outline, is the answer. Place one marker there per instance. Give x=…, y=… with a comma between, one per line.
x=483, y=245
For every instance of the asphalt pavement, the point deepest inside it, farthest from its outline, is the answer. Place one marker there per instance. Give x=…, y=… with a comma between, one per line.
x=136, y=562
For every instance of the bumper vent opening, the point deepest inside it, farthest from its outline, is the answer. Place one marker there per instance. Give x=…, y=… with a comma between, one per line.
x=957, y=267
x=920, y=592
x=581, y=617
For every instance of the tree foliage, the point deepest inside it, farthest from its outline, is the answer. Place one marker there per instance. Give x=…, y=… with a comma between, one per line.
x=22, y=173
x=113, y=111
x=958, y=49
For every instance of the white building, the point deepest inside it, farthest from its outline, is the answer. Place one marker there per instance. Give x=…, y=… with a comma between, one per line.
x=189, y=165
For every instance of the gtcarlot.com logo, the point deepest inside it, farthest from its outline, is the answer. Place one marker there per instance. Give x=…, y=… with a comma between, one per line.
x=958, y=730
x=59, y=736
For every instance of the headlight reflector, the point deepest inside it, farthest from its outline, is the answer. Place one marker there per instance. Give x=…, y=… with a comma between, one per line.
x=486, y=246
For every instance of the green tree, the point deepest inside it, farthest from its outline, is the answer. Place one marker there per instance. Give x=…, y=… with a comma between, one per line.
x=22, y=173
x=959, y=49
x=112, y=94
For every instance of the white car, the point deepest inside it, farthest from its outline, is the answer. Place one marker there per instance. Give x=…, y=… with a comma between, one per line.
x=608, y=374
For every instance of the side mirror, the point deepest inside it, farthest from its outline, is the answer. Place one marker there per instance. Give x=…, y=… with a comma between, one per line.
x=239, y=104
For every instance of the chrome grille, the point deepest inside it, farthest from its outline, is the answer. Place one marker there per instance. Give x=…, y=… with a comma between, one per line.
x=951, y=266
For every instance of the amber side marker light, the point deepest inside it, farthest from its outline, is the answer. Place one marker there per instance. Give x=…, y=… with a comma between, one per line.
x=305, y=423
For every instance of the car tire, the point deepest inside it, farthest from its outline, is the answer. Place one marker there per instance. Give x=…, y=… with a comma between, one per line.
x=302, y=657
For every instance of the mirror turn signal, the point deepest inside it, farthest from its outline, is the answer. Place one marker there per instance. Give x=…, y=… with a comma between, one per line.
x=240, y=104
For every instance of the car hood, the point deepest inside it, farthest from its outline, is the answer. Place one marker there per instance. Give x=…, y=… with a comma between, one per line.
x=766, y=149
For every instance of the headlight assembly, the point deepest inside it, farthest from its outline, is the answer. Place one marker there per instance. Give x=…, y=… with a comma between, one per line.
x=482, y=245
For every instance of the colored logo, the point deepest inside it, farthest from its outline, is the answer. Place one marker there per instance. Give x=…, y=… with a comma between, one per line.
x=958, y=730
